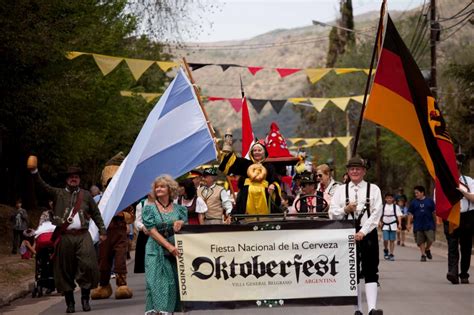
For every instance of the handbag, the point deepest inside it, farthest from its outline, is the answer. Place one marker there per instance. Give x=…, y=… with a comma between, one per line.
x=60, y=229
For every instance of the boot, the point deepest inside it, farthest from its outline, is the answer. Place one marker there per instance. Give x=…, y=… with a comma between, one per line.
x=85, y=294
x=101, y=292
x=69, y=297
x=122, y=291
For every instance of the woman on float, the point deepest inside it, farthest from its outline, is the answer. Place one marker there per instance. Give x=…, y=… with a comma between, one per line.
x=326, y=184
x=259, y=191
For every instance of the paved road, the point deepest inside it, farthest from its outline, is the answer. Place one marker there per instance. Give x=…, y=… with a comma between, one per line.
x=408, y=286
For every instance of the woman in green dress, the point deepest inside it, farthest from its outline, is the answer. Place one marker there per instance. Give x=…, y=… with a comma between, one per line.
x=162, y=218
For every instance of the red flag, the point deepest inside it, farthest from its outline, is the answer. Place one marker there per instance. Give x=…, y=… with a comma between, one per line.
x=254, y=70
x=284, y=72
x=247, y=132
x=236, y=103
x=401, y=101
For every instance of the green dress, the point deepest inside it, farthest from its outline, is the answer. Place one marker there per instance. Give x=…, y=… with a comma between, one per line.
x=162, y=292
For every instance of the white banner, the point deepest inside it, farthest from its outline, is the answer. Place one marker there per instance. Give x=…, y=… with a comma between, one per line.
x=286, y=262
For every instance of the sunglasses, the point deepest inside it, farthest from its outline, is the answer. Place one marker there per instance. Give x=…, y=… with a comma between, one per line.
x=319, y=175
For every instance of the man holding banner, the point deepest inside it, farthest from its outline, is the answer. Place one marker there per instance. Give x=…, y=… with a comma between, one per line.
x=361, y=201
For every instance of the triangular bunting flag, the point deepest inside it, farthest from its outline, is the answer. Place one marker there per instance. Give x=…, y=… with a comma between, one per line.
x=277, y=105
x=296, y=100
x=138, y=66
x=328, y=140
x=195, y=66
x=367, y=71
x=226, y=66
x=319, y=103
x=126, y=93
x=106, y=63
x=359, y=98
x=73, y=54
x=314, y=75
x=345, y=141
x=236, y=103
x=341, y=102
x=166, y=65
x=284, y=72
x=312, y=141
x=213, y=98
x=254, y=70
x=150, y=96
x=295, y=140
x=345, y=70
x=257, y=104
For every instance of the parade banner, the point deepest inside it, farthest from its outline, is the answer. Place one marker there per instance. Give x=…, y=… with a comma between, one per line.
x=273, y=264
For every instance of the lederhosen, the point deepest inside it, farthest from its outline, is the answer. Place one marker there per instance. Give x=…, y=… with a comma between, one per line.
x=368, y=247
x=394, y=215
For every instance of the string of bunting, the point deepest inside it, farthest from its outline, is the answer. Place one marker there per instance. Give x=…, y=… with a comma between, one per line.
x=318, y=103
x=309, y=142
x=107, y=64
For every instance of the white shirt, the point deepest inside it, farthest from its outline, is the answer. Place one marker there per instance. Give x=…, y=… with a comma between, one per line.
x=466, y=205
x=389, y=217
x=328, y=191
x=358, y=193
x=138, y=215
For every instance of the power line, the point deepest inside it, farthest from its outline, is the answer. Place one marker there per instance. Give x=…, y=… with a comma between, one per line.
x=456, y=24
x=453, y=32
x=455, y=15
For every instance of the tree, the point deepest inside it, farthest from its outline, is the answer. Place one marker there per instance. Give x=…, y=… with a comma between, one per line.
x=65, y=111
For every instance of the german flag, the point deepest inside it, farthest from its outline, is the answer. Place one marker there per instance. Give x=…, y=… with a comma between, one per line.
x=401, y=101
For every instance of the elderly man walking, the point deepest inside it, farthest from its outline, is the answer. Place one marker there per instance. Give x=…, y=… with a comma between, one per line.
x=362, y=202
x=75, y=258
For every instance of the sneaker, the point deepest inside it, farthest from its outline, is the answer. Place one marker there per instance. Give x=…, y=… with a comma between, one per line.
x=452, y=278
x=423, y=258
x=465, y=280
x=385, y=254
x=428, y=254
x=391, y=257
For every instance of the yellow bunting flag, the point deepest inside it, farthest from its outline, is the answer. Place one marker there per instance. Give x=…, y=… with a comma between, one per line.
x=328, y=140
x=296, y=100
x=73, y=54
x=314, y=75
x=295, y=140
x=138, y=66
x=341, y=102
x=319, y=103
x=345, y=70
x=166, y=65
x=359, y=98
x=312, y=141
x=106, y=63
x=344, y=141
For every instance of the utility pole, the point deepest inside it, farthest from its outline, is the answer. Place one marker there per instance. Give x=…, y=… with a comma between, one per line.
x=434, y=34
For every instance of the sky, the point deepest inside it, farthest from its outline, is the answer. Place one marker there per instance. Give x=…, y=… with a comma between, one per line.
x=244, y=19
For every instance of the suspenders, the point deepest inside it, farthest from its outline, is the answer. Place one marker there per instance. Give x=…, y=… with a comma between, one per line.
x=366, y=205
x=394, y=215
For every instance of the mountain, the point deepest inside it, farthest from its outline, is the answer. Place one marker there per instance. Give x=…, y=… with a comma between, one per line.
x=303, y=47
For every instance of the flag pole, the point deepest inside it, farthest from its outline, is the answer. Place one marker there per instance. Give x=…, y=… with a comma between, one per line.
x=369, y=77
x=196, y=90
x=211, y=129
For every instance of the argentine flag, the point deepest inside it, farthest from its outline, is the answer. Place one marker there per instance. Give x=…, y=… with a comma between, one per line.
x=174, y=139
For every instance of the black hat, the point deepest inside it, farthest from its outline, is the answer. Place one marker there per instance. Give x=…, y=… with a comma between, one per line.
x=194, y=173
x=210, y=171
x=356, y=161
x=71, y=170
x=307, y=178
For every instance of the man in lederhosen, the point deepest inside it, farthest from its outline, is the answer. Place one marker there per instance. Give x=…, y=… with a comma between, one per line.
x=216, y=198
x=75, y=258
x=361, y=201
